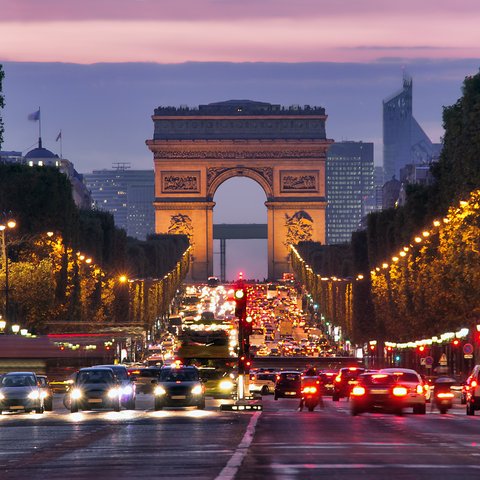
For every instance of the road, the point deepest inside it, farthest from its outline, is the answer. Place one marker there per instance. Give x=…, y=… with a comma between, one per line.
x=278, y=443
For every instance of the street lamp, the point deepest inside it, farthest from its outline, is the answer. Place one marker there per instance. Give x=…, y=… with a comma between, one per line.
x=3, y=238
x=15, y=328
x=3, y=324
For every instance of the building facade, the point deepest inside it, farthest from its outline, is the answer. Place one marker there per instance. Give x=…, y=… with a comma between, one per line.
x=404, y=141
x=128, y=195
x=350, y=188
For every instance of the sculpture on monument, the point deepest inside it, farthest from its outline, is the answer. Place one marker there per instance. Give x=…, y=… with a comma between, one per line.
x=299, y=227
x=181, y=224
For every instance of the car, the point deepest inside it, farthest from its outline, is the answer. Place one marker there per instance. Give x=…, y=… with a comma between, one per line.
x=179, y=386
x=327, y=378
x=472, y=391
x=143, y=377
x=288, y=384
x=263, y=382
x=126, y=383
x=218, y=383
x=375, y=391
x=95, y=387
x=20, y=391
x=47, y=392
x=344, y=382
x=416, y=388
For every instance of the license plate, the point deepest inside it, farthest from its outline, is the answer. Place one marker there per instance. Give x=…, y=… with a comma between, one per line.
x=179, y=397
x=329, y=385
x=17, y=407
x=352, y=382
x=379, y=391
x=290, y=393
x=94, y=400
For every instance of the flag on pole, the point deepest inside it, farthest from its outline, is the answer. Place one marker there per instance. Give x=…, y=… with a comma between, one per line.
x=35, y=116
x=59, y=136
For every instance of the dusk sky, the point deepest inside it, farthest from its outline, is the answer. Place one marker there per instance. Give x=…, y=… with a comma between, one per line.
x=98, y=68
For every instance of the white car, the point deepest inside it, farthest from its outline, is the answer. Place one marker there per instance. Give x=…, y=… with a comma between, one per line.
x=263, y=382
x=413, y=382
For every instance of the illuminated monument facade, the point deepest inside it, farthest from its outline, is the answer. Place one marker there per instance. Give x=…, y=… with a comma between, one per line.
x=282, y=149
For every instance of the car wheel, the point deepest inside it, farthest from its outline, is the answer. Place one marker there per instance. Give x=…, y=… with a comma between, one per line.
x=443, y=410
x=40, y=409
x=117, y=406
x=158, y=405
x=73, y=407
x=420, y=409
x=335, y=397
x=398, y=412
x=275, y=397
x=131, y=404
x=355, y=411
x=201, y=405
x=264, y=390
x=49, y=405
x=470, y=409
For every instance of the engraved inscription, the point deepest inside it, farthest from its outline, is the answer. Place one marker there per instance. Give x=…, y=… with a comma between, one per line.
x=194, y=155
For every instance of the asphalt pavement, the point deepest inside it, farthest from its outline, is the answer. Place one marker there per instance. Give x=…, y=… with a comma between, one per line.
x=278, y=443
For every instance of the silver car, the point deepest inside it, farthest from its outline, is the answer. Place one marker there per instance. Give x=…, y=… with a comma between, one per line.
x=20, y=391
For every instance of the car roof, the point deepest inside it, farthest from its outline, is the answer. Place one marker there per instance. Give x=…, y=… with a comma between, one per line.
x=110, y=366
x=89, y=369
x=394, y=370
x=19, y=373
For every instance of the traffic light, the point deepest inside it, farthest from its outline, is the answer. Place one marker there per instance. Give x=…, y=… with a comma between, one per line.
x=248, y=326
x=240, y=296
x=244, y=364
x=456, y=342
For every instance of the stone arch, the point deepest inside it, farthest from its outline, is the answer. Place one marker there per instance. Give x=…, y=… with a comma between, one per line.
x=263, y=177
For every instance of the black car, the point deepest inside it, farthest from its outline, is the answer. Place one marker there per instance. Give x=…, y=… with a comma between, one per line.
x=344, y=381
x=94, y=388
x=126, y=384
x=288, y=385
x=20, y=391
x=179, y=386
x=378, y=392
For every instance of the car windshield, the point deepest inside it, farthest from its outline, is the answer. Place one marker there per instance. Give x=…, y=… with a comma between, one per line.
x=18, y=381
x=178, y=375
x=95, y=376
x=289, y=378
x=406, y=377
x=266, y=376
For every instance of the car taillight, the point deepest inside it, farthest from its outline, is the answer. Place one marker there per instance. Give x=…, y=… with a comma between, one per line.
x=474, y=383
x=309, y=390
x=419, y=389
x=399, y=391
x=426, y=388
x=445, y=395
x=338, y=378
x=358, y=391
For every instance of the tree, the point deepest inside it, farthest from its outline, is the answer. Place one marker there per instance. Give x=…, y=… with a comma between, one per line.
x=2, y=104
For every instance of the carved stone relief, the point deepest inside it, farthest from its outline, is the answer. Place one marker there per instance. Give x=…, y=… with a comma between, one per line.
x=181, y=224
x=299, y=181
x=265, y=172
x=299, y=227
x=222, y=154
x=180, y=182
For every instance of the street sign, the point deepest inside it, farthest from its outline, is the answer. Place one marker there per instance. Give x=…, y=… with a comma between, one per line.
x=428, y=361
x=443, y=359
x=422, y=361
x=468, y=355
x=468, y=349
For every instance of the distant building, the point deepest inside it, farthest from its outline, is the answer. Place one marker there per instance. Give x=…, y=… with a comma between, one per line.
x=349, y=186
x=42, y=157
x=128, y=195
x=391, y=193
x=404, y=141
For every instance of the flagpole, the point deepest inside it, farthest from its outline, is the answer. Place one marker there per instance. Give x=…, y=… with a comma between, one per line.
x=61, y=145
x=39, y=124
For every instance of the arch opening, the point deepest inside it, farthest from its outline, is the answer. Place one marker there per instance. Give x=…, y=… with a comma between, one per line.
x=240, y=201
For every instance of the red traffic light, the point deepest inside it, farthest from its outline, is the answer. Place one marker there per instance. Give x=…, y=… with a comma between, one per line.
x=456, y=342
x=421, y=348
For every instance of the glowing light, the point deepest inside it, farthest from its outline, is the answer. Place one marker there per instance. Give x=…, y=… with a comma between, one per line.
x=418, y=239
x=426, y=233
x=384, y=265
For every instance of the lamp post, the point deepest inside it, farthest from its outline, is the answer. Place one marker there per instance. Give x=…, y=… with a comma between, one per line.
x=10, y=223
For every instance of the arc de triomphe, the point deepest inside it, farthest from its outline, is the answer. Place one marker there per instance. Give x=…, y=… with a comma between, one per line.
x=282, y=149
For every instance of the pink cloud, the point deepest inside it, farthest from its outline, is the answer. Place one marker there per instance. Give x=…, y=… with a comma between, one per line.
x=93, y=31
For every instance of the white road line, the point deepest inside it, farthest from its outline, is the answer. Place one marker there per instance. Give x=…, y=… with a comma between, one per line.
x=231, y=468
x=341, y=466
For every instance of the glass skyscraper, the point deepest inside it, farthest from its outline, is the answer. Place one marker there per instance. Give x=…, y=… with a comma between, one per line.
x=349, y=185
x=128, y=195
x=404, y=141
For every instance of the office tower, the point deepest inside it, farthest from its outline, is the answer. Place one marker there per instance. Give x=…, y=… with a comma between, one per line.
x=349, y=184
x=128, y=195
x=404, y=141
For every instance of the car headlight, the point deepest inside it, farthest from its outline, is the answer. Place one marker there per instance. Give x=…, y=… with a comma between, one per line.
x=34, y=395
x=113, y=393
x=128, y=390
x=2, y=396
x=226, y=385
x=159, y=390
x=197, y=390
x=76, y=394
x=44, y=394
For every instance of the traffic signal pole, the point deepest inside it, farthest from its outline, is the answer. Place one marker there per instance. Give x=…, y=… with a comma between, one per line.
x=243, y=341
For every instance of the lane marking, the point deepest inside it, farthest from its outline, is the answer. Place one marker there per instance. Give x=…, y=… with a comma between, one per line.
x=342, y=466
x=231, y=468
